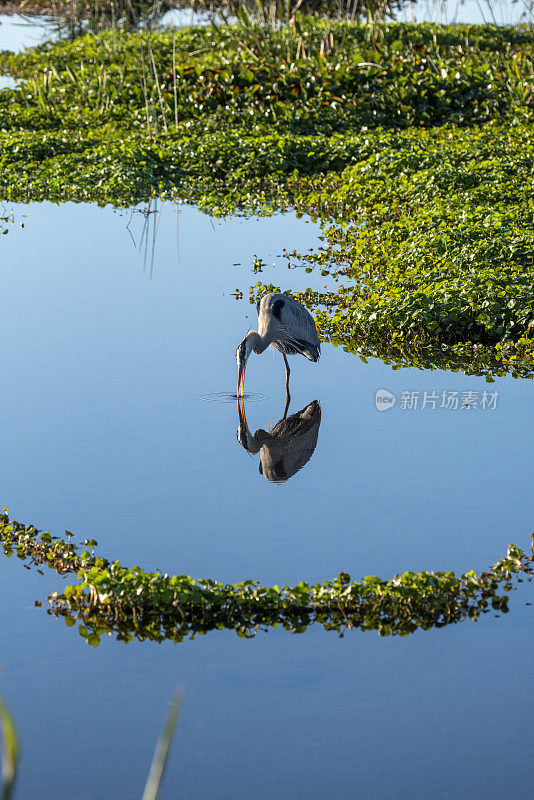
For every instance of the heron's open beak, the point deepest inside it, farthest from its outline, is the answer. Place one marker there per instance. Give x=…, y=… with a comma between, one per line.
x=241, y=381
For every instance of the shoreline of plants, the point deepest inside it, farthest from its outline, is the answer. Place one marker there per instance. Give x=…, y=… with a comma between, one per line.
x=131, y=603
x=412, y=144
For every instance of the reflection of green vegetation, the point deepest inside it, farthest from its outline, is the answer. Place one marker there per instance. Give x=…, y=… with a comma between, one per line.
x=414, y=143
x=5, y=221
x=490, y=361
x=512, y=358
x=72, y=19
x=131, y=603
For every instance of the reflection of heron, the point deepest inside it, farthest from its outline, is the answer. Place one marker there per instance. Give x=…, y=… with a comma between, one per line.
x=285, y=324
x=288, y=446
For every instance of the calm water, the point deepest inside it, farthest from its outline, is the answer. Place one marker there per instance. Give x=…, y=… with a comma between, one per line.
x=18, y=32
x=116, y=370
x=118, y=358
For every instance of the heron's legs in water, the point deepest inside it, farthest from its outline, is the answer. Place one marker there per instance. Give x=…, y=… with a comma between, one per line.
x=288, y=400
x=288, y=395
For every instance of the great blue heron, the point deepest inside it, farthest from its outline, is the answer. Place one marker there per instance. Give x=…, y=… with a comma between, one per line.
x=287, y=446
x=285, y=324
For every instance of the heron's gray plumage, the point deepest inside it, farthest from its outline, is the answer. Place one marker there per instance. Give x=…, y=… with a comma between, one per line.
x=285, y=324
x=288, y=446
x=288, y=326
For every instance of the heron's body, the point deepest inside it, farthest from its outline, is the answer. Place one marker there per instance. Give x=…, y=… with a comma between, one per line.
x=287, y=325
x=288, y=446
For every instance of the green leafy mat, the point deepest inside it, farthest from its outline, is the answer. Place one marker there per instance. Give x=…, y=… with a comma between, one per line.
x=109, y=598
x=413, y=144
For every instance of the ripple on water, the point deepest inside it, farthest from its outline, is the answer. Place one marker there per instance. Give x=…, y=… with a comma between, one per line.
x=226, y=397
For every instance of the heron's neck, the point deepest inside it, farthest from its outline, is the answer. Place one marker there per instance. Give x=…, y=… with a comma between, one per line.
x=247, y=440
x=259, y=343
x=254, y=443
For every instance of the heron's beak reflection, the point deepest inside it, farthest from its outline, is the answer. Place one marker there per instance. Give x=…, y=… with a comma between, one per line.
x=241, y=381
x=241, y=411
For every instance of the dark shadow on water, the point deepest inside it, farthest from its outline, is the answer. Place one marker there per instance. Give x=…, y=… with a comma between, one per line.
x=287, y=447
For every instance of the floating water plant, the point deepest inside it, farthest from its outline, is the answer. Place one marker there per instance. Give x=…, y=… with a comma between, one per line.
x=109, y=598
x=413, y=144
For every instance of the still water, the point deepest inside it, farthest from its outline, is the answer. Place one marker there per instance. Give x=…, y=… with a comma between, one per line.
x=118, y=336
x=119, y=332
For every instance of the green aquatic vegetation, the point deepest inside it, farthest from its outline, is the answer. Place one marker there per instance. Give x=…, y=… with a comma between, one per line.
x=513, y=358
x=431, y=234
x=123, y=117
x=110, y=598
x=283, y=80
x=412, y=143
x=5, y=222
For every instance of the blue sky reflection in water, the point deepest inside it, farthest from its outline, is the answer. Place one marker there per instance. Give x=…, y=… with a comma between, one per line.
x=110, y=423
x=107, y=362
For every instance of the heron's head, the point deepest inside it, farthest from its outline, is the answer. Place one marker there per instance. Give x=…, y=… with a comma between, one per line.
x=241, y=356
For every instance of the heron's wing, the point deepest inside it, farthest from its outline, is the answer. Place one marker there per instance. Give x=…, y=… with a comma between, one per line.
x=288, y=325
x=298, y=424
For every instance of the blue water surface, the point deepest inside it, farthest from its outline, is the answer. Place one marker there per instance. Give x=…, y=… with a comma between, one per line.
x=116, y=363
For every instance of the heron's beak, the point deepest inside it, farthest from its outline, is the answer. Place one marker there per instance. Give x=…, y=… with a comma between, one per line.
x=241, y=411
x=241, y=381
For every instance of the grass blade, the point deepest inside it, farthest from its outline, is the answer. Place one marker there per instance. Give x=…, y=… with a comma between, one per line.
x=10, y=751
x=161, y=752
x=174, y=80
